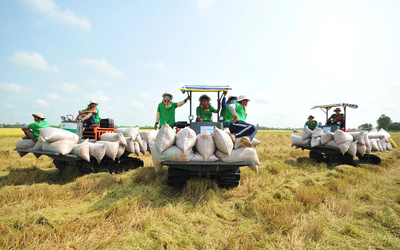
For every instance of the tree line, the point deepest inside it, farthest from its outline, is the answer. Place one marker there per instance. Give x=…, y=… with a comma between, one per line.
x=384, y=122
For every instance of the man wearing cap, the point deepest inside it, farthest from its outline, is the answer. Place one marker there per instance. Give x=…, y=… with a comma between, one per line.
x=166, y=110
x=32, y=130
x=225, y=111
x=90, y=115
x=337, y=118
x=205, y=109
x=311, y=123
x=238, y=127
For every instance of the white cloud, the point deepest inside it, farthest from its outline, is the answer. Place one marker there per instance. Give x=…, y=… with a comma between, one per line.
x=144, y=95
x=40, y=103
x=98, y=96
x=52, y=10
x=137, y=106
x=53, y=97
x=94, y=83
x=204, y=4
x=102, y=66
x=69, y=87
x=32, y=60
x=14, y=89
x=156, y=65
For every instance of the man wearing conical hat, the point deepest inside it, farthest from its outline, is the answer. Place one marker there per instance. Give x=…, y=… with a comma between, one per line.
x=166, y=110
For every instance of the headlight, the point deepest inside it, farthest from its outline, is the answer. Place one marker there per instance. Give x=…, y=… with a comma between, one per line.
x=221, y=118
x=191, y=117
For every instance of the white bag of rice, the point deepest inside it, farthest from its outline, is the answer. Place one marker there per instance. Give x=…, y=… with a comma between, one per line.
x=111, y=148
x=128, y=132
x=358, y=136
x=341, y=137
x=114, y=137
x=315, y=141
x=62, y=146
x=222, y=141
x=25, y=143
x=130, y=144
x=205, y=144
x=326, y=137
x=382, y=145
x=331, y=143
x=39, y=144
x=239, y=154
x=353, y=148
x=199, y=157
x=82, y=150
x=172, y=153
x=121, y=151
x=56, y=134
x=299, y=140
x=361, y=149
x=374, y=144
x=185, y=139
x=97, y=150
x=317, y=132
x=165, y=138
x=306, y=134
x=343, y=147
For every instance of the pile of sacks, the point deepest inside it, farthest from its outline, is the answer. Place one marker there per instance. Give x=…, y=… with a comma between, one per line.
x=186, y=146
x=350, y=142
x=112, y=145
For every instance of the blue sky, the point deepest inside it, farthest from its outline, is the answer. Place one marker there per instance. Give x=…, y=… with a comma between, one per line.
x=286, y=56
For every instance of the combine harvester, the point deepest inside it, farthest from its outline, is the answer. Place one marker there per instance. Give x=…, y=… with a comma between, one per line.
x=93, y=133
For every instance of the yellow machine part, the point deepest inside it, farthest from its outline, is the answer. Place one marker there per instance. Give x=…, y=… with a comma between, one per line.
x=393, y=143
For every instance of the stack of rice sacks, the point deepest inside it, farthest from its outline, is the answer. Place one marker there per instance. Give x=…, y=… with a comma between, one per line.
x=185, y=146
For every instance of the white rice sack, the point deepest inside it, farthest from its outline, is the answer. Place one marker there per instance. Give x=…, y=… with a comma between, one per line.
x=114, y=137
x=82, y=150
x=361, y=149
x=239, y=154
x=130, y=144
x=317, y=132
x=137, y=149
x=382, y=145
x=97, y=150
x=111, y=148
x=315, y=141
x=384, y=133
x=222, y=141
x=389, y=146
x=358, y=136
x=227, y=131
x=25, y=143
x=139, y=140
x=55, y=134
x=172, y=153
x=331, y=143
x=374, y=131
x=121, y=151
x=366, y=139
x=39, y=144
x=374, y=144
x=239, y=143
x=205, y=144
x=306, y=134
x=326, y=137
x=353, y=148
x=341, y=137
x=153, y=135
x=185, y=139
x=368, y=149
x=298, y=140
x=343, y=147
x=199, y=157
x=128, y=132
x=165, y=138
x=143, y=149
x=145, y=135
x=62, y=146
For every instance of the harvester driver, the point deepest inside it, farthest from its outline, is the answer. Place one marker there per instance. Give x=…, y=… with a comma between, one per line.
x=337, y=119
x=166, y=110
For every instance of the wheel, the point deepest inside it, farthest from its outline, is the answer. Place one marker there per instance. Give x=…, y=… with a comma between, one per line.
x=177, y=177
x=370, y=159
x=318, y=157
x=87, y=167
x=347, y=159
x=229, y=178
x=60, y=165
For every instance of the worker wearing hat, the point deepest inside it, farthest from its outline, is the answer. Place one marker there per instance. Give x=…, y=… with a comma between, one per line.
x=205, y=109
x=32, y=130
x=238, y=127
x=225, y=112
x=90, y=115
x=166, y=110
x=337, y=118
x=311, y=123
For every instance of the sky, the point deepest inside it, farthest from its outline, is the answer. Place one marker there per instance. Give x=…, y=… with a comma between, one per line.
x=285, y=56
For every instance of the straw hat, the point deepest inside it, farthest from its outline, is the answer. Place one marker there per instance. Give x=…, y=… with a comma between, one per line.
x=38, y=115
x=167, y=93
x=206, y=96
x=337, y=109
x=243, y=97
x=310, y=116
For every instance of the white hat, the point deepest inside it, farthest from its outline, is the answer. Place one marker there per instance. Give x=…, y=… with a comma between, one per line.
x=233, y=97
x=38, y=115
x=243, y=97
x=93, y=101
x=206, y=96
x=167, y=93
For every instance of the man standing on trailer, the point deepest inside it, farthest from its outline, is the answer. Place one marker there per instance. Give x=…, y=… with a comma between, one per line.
x=166, y=110
x=238, y=127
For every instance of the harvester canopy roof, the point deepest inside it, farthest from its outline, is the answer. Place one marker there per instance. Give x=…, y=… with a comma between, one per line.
x=205, y=88
x=353, y=106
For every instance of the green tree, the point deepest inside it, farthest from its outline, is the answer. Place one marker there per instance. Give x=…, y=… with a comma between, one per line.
x=384, y=122
x=365, y=126
x=395, y=126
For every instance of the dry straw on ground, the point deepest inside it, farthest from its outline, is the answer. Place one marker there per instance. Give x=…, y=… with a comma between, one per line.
x=293, y=203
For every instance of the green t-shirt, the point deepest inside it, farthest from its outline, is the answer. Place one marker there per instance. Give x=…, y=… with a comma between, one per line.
x=205, y=113
x=241, y=112
x=334, y=116
x=95, y=115
x=227, y=114
x=167, y=114
x=311, y=125
x=36, y=126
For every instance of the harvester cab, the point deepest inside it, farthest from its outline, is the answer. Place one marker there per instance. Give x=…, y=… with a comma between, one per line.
x=199, y=127
x=341, y=124
x=71, y=125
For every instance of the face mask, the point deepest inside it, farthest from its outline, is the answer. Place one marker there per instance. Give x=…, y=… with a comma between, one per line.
x=233, y=102
x=204, y=103
x=167, y=98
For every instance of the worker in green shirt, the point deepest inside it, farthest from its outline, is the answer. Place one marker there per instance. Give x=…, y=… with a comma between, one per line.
x=311, y=123
x=32, y=130
x=337, y=118
x=225, y=112
x=166, y=110
x=205, y=109
x=90, y=115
